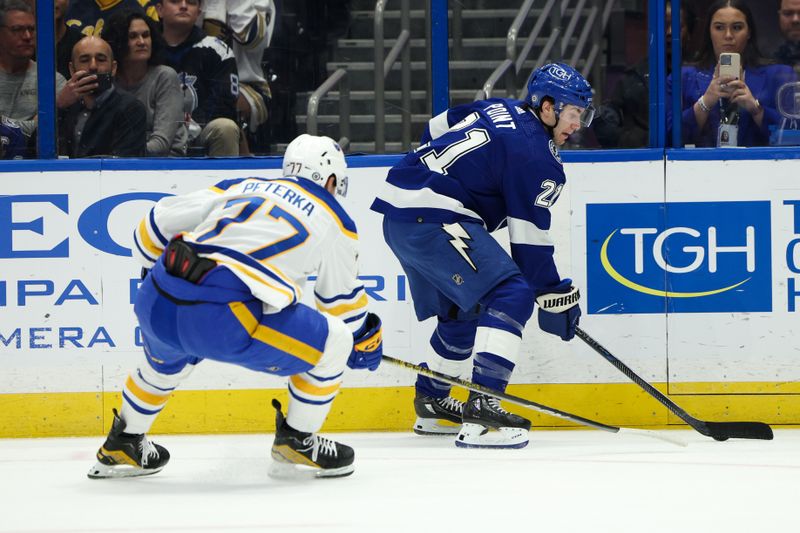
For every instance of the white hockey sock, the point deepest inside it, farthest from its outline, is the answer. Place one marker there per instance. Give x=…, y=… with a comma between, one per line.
x=145, y=394
x=311, y=393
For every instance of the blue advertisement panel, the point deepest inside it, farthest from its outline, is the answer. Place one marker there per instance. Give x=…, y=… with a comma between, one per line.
x=681, y=257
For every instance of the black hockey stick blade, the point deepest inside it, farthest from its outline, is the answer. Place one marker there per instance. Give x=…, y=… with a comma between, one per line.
x=717, y=430
x=738, y=430
x=530, y=404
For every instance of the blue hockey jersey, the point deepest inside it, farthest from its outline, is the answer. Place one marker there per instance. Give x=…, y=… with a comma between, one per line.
x=490, y=161
x=13, y=143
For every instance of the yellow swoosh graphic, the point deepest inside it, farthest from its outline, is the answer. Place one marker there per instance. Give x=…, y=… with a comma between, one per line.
x=647, y=290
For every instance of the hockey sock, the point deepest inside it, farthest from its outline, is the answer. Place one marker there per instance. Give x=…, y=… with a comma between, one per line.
x=311, y=393
x=145, y=394
x=452, y=343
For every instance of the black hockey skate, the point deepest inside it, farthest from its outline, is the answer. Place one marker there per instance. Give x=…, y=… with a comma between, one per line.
x=123, y=455
x=296, y=454
x=437, y=416
x=483, y=413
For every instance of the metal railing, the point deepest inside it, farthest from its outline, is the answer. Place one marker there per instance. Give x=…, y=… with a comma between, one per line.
x=383, y=65
x=597, y=30
x=338, y=77
x=512, y=64
x=511, y=67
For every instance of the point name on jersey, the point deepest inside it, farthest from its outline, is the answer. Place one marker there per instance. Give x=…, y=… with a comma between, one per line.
x=500, y=116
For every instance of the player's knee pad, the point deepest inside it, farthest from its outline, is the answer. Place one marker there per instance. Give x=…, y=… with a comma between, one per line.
x=508, y=306
x=453, y=339
x=163, y=374
x=338, y=346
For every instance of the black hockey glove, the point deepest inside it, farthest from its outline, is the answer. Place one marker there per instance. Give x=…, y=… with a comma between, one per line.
x=367, y=345
x=559, y=312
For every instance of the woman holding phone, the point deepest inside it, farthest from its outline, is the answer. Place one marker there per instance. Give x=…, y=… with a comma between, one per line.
x=136, y=43
x=730, y=87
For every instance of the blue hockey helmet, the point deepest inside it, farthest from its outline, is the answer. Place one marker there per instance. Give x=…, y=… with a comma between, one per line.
x=565, y=86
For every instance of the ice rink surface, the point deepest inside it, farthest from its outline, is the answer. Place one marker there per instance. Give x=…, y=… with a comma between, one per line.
x=564, y=481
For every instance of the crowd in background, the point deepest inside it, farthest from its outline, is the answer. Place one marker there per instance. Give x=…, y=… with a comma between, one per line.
x=749, y=109
x=206, y=78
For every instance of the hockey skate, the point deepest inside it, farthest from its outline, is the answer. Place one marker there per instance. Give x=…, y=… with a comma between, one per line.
x=437, y=416
x=483, y=413
x=123, y=455
x=297, y=455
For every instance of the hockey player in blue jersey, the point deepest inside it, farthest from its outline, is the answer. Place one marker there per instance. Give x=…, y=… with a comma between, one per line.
x=227, y=266
x=483, y=166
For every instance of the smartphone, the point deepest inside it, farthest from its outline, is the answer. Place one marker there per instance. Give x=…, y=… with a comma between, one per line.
x=729, y=65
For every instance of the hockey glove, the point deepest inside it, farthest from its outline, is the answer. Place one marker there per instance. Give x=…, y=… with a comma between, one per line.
x=367, y=345
x=559, y=312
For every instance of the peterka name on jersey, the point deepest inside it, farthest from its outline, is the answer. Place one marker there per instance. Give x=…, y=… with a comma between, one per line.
x=280, y=190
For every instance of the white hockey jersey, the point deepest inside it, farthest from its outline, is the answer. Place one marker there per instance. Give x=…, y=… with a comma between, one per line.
x=272, y=234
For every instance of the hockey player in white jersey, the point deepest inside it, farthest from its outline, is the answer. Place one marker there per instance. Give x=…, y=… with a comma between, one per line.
x=226, y=267
x=481, y=167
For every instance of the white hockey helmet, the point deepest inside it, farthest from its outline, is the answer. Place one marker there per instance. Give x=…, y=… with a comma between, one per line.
x=316, y=158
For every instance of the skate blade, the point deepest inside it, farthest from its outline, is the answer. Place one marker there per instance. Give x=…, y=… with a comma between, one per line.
x=477, y=436
x=102, y=471
x=295, y=472
x=435, y=426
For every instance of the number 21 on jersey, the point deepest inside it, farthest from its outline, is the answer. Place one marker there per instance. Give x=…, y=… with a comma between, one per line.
x=475, y=138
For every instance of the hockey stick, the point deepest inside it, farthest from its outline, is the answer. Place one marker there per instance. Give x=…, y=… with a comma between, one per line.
x=529, y=404
x=716, y=430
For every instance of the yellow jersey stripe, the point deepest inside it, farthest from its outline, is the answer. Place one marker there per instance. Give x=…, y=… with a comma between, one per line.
x=261, y=279
x=146, y=241
x=147, y=397
x=341, y=309
x=273, y=337
x=309, y=388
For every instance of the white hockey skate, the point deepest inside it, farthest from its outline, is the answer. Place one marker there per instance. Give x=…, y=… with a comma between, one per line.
x=488, y=425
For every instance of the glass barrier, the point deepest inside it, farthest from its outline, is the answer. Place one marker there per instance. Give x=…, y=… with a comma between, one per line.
x=496, y=45
x=18, y=80
x=369, y=109
x=308, y=65
x=738, y=83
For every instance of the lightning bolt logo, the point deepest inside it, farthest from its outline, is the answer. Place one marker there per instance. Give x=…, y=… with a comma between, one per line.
x=459, y=234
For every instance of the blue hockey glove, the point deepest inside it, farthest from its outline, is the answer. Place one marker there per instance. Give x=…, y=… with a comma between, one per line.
x=367, y=345
x=559, y=312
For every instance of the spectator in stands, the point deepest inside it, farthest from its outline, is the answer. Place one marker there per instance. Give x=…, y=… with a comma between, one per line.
x=789, y=20
x=66, y=38
x=706, y=96
x=90, y=16
x=18, y=76
x=106, y=121
x=623, y=120
x=208, y=72
x=137, y=45
x=247, y=26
